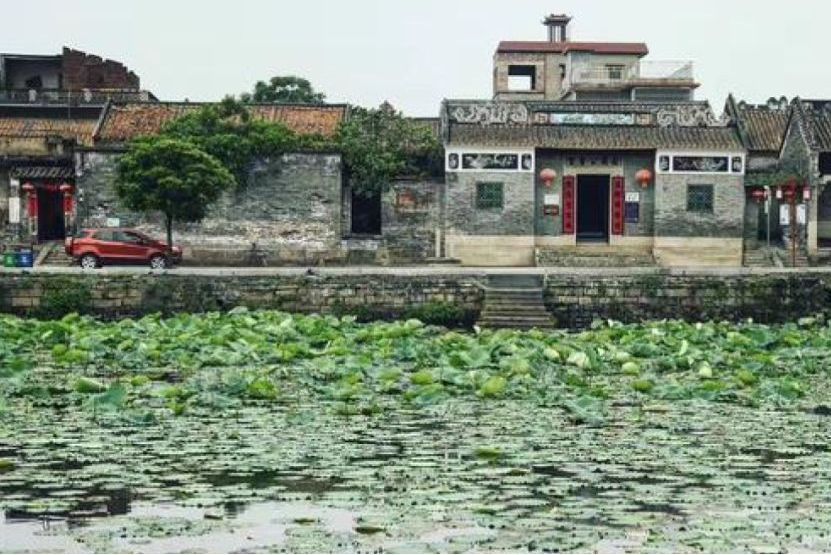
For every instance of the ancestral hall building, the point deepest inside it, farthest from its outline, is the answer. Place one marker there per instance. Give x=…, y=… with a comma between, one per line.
x=585, y=153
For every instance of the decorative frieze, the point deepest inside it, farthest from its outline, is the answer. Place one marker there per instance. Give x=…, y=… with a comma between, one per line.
x=488, y=113
x=700, y=163
x=500, y=161
x=692, y=115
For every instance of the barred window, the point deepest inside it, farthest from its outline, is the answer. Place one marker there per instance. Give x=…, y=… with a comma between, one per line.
x=489, y=196
x=699, y=198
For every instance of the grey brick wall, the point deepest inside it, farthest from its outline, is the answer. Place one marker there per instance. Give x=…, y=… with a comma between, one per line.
x=291, y=203
x=409, y=230
x=516, y=216
x=673, y=220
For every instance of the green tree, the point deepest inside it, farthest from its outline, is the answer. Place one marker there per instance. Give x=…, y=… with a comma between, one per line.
x=380, y=144
x=287, y=88
x=229, y=133
x=170, y=176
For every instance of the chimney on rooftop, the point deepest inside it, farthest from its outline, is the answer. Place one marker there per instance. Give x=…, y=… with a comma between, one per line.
x=557, y=27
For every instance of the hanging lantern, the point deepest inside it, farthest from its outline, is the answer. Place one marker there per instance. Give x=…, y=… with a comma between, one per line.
x=759, y=195
x=643, y=178
x=548, y=176
x=806, y=193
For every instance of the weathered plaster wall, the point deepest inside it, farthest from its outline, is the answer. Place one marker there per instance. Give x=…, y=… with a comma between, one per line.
x=290, y=208
x=411, y=220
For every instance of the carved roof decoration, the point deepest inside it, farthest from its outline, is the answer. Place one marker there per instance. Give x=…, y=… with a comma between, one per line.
x=589, y=125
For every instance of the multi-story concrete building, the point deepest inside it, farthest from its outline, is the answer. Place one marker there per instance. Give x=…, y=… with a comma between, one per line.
x=562, y=69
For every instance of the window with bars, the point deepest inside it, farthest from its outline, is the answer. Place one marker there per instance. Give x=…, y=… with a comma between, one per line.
x=489, y=196
x=700, y=198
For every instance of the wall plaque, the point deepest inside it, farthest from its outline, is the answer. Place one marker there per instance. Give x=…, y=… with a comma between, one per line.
x=633, y=212
x=551, y=199
x=633, y=196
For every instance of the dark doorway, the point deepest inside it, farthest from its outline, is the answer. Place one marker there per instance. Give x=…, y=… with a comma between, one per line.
x=366, y=213
x=593, y=208
x=50, y=214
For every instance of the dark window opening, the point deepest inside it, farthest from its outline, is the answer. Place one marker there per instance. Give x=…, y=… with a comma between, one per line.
x=366, y=213
x=35, y=82
x=615, y=71
x=825, y=163
x=562, y=72
x=700, y=198
x=490, y=196
x=522, y=78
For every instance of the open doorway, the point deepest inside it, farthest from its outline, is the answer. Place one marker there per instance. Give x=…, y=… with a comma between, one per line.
x=50, y=214
x=593, y=208
x=366, y=213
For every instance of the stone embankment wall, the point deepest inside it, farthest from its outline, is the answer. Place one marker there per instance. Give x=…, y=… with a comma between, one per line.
x=574, y=298
x=577, y=300
x=50, y=295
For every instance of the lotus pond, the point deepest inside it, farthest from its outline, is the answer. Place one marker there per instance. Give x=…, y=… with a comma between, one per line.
x=263, y=431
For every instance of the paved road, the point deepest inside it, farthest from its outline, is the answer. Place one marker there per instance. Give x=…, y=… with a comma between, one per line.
x=413, y=271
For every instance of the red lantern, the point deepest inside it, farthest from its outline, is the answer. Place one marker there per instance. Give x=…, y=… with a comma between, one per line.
x=643, y=178
x=548, y=176
x=759, y=195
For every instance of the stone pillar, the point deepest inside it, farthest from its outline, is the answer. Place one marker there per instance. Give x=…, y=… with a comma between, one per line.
x=812, y=222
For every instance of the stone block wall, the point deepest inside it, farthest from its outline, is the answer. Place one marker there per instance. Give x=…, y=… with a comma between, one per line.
x=290, y=209
x=634, y=297
x=411, y=220
x=134, y=294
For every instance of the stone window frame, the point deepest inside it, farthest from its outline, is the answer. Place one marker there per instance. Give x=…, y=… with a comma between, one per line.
x=702, y=205
x=490, y=200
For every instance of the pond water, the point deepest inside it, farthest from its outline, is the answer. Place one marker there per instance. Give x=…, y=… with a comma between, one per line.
x=463, y=475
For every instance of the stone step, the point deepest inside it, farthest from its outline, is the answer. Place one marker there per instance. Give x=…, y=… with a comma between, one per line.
x=516, y=323
x=515, y=302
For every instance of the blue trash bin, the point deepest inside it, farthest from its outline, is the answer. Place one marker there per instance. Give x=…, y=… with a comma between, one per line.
x=25, y=258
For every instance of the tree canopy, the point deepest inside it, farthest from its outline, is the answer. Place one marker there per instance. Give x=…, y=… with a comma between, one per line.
x=380, y=144
x=284, y=88
x=229, y=133
x=170, y=176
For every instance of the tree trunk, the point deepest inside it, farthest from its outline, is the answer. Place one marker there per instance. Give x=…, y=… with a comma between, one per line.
x=168, y=221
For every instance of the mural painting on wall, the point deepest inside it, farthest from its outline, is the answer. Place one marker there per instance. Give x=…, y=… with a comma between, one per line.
x=490, y=161
x=710, y=164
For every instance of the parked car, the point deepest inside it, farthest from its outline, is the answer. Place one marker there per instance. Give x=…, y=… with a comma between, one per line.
x=92, y=248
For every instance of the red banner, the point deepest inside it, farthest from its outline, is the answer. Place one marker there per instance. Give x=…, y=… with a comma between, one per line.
x=618, y=199
x=568, y=204
x=32, y=207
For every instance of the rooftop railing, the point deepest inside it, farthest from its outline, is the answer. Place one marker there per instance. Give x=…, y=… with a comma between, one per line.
x=78, y=98
x=612, y=74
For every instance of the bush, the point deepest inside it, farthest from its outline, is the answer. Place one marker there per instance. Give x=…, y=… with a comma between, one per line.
x=62, y=297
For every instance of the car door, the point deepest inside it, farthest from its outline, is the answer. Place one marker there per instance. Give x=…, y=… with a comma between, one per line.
x=131, y=246
x=106, y=245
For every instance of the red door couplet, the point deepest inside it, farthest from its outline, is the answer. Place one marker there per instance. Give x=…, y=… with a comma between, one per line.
x=618, y=198
x=569, y=182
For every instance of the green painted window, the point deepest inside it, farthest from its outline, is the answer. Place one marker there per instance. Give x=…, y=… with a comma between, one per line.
x=699, y=198
x=489, y=196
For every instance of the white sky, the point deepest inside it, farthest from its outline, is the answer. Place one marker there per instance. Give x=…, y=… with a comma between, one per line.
x=416, y=52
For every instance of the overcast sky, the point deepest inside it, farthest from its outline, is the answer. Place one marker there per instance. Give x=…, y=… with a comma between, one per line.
x=416, y=52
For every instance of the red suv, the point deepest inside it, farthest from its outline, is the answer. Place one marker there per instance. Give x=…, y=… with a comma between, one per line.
x=93, y=247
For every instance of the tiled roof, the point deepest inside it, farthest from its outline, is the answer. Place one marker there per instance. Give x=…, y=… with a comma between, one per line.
x=816, y=115
x=763, y=127
x=31, y=127
x=123, y=122
x=546, y=47
x=596, y=137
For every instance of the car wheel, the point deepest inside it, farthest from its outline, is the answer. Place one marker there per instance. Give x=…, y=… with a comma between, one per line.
x=89, y=262
x=158, y=262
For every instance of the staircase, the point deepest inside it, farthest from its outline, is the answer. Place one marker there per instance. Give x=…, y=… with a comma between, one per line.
x=53, y=254
x=773, y=257
x=515, y=302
